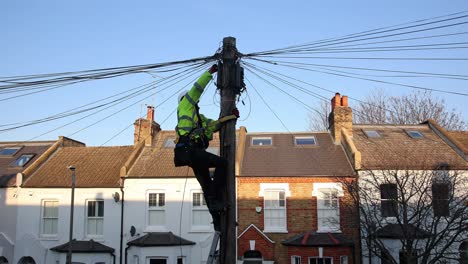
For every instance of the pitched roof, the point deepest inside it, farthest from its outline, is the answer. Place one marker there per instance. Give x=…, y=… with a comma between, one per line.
x=396, y=149
x=8, y=170
x=461, y=137
x=84, y=246
x=285, y=158
x=95, y=167
x=160, y=239
x=314, y=239
x=158, y=161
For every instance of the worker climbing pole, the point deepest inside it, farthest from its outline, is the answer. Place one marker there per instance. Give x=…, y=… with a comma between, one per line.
x=195, y=131
x=230, y=83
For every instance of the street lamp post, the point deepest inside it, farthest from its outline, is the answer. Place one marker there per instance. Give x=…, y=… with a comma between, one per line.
x=70, y=239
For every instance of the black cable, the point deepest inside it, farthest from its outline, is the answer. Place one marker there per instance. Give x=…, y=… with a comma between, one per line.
x=363, y=32
x=94, y=114
x=283, y=91
x=401, y=40
x=379, y=81
x=146, y=88
x=324, y=89
x=431, y=74
x=125, y=108
x=100, y=74
x=364, y=58
x=351, y=38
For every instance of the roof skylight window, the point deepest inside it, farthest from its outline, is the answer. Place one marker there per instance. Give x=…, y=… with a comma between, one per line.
x=414, y=134
x=9, y=151
x=305, y=141
x=372, y=133
x=261, y=141
x=23, y=159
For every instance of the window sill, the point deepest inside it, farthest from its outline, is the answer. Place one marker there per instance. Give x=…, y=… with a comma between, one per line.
x=329, y=231
x=205, y=229
x=282, y=231
x=49, y=238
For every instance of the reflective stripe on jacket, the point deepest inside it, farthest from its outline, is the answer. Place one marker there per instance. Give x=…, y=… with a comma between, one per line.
x=187, y=118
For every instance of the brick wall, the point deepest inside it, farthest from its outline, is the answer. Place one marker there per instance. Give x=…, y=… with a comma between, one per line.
x=301, y=215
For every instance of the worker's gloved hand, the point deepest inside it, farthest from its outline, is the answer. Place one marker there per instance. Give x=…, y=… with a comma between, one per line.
x=235, y=112
x=213, y=68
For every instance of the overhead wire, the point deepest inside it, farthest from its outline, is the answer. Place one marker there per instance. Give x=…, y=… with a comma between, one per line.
x=57, y=128
x=97, y=74
x=132, y=104
x=353, y=37
x=139, y=90
x=362, y=32
x=380, y=81
x=430, y=74
x=324, y=89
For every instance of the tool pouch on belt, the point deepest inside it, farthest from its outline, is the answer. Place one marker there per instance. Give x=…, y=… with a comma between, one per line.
x=182, y=156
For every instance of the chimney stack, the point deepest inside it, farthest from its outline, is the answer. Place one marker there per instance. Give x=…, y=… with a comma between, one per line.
x=341, y=117
x=146, y=129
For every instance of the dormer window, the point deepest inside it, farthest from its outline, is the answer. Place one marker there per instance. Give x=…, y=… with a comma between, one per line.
x=414, y=134
x=23, y=159
x=306, y=140
x=372, y=133
x=9, y=151
x=261, y=141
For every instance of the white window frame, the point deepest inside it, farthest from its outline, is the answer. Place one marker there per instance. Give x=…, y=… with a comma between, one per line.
x=305, y=137
x=161, y=227
x=316, y=192
x=94, y=218
x=261, y=138
x=41, y=228
x=202, y=208
x=294, y=258
x=287, y=193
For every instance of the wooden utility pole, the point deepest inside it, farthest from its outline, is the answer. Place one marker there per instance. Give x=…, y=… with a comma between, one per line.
x=226, y=83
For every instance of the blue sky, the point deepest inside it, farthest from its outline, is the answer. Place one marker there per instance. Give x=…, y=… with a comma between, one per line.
x=57, y=36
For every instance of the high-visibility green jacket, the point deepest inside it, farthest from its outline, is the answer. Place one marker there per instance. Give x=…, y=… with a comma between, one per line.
x=187, y=118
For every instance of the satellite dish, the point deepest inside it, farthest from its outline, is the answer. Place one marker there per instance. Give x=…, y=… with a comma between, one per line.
x=132, y=231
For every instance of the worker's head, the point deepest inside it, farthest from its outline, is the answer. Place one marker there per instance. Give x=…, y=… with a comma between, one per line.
x=181, y=95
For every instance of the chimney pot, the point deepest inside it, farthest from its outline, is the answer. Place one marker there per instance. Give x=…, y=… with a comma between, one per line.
x=150, y=114
x=344, y=100
x=335, y=101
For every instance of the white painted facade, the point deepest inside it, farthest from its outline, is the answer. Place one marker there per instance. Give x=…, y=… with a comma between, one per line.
x=373, y=203
x=31, y=240
x=177, y=217
x=8, y=212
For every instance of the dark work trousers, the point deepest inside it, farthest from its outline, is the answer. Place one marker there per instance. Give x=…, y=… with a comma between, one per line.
x=213, y=190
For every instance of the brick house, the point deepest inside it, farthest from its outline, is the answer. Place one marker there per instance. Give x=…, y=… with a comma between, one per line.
x=291, y=204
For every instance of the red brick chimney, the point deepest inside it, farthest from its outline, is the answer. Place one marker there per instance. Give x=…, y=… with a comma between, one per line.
x=146, y=129
x=340, y=117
